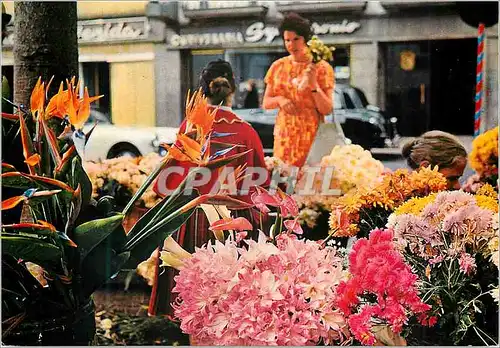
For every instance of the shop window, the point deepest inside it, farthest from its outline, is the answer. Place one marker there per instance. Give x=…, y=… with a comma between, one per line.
x=341, y=64
x=250, y=66
x=96, y=77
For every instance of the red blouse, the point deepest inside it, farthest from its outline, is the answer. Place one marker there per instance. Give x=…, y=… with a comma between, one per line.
x=244, y=134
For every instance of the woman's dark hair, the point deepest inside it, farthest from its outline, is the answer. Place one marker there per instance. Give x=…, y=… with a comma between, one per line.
x=217, y=81
x=298, y=24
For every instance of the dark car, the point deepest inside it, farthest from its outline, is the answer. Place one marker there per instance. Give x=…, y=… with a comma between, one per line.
x=362, y=123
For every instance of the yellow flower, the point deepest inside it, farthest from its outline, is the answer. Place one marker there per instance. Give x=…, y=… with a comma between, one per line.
x=484, y=155
x=487, y=203
x=415, y=205
x=487, y=190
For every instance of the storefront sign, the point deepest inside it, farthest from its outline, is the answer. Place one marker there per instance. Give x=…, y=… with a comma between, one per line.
x=113, y=30
x=104, y=30
x=256, y=32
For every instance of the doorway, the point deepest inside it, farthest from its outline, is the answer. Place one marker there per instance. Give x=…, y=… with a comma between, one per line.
x=431, y=85
x=453, y=81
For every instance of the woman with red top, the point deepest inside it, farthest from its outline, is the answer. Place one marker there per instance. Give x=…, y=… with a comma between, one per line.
x=218, y=85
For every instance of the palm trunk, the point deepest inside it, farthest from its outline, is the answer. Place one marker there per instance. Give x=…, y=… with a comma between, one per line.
x=45, y=45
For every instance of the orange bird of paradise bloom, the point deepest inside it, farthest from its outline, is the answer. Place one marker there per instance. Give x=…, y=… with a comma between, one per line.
x=64, y=103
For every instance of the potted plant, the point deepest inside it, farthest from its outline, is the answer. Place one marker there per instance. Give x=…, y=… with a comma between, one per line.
x=65, y=244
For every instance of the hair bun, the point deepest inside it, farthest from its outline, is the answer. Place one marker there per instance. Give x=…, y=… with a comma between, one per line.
x=220, y=86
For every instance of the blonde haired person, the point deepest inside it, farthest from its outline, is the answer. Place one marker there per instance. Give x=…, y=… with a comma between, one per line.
x=437, y=148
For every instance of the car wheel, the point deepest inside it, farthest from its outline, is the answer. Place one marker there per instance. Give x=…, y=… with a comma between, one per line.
x=123, y=150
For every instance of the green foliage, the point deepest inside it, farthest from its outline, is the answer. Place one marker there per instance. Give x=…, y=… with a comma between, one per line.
x=79, y=243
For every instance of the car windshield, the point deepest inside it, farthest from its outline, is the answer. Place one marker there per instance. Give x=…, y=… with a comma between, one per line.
x=98, y=116
x=358, y=97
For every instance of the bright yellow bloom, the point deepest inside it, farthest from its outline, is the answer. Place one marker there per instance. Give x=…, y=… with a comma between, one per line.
x=393, y=191
x=484, y=155
x=415, y=205
x=487, y=203
x=487, y=190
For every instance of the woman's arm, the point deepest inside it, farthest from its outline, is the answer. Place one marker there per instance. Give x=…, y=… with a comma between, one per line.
x=322, y=97
x=274, y=102
x=323, y=100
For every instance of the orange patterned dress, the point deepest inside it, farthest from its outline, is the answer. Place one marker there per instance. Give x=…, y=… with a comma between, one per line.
x=294, y=133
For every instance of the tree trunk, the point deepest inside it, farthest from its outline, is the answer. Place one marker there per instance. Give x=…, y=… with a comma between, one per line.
x=45, y=44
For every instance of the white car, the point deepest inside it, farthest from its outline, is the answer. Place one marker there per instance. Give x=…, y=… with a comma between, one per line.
x=109, y=141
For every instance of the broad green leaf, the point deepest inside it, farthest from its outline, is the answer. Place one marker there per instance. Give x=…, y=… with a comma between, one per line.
x=80, y=177
x=17, y=180
x=31, y=249
x=101, y=265
x=143, y=249
x=161, y=210
x=158, y=213
x=90, y=234
x=27, y=181
x=30, y=230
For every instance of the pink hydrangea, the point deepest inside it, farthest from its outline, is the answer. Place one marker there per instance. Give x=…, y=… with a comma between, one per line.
x=264, y=294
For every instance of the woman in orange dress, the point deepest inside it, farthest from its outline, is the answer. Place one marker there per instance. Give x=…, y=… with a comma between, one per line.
x=301, y=90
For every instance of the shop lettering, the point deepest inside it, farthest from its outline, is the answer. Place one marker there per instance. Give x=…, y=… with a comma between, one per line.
x=345, y=27
x=207, y=39
x=257, y=32
x=111, y=32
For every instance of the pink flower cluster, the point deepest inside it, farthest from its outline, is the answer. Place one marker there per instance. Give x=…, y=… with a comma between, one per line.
x=445, y=227
x=266, y=294
x=381, y=290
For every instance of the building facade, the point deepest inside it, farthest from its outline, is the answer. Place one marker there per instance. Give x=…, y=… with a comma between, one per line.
x=121, y=55
x=415, y=60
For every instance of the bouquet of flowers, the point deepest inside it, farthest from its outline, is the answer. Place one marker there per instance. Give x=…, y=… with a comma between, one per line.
x=448, y=238
x=346, y=168
x=269, y=291
x=381, y=293
x=353, y=168
x=484, y=157
x=121, y=178
x=282, y=290
x=319, y=50
x=360, y=211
